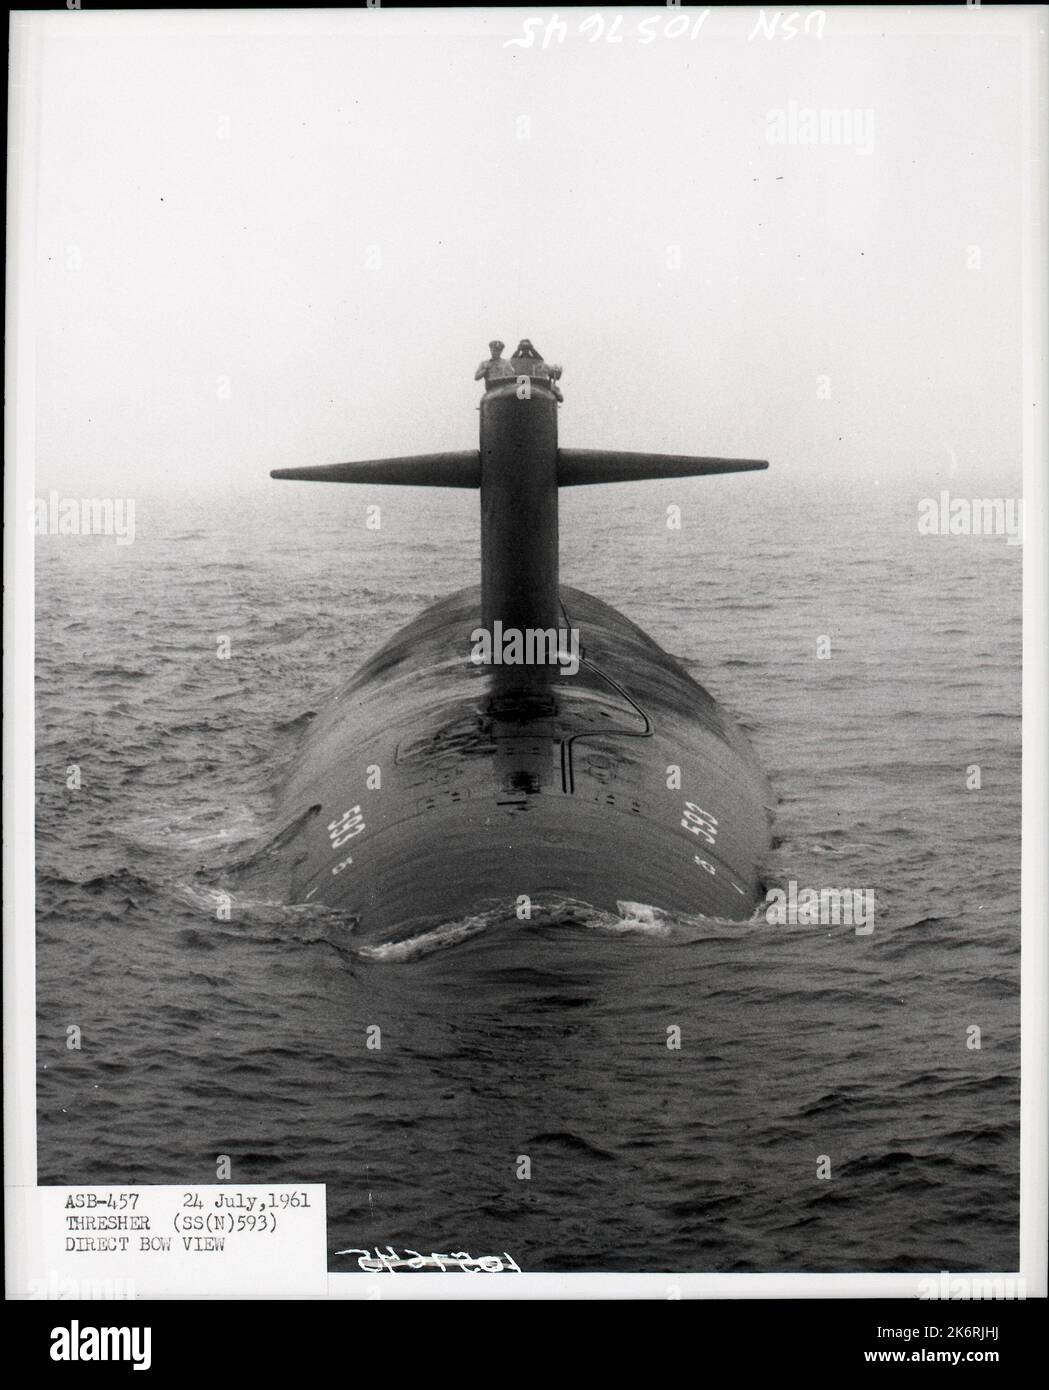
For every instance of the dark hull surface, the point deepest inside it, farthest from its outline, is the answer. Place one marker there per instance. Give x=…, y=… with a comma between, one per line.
x=625, y=782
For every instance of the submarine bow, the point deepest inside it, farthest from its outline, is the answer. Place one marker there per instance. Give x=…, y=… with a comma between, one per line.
x=520, y=740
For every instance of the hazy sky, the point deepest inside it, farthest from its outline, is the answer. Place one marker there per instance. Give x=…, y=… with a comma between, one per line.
x=276, y=238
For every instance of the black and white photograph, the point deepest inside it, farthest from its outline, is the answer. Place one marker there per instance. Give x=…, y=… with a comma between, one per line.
x=526, y=654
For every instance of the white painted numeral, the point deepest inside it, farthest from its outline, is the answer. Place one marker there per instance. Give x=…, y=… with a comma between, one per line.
x=350, y=823
x=700, y=822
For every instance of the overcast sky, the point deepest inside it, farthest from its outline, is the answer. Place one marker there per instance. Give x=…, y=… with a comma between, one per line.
x=267, y=239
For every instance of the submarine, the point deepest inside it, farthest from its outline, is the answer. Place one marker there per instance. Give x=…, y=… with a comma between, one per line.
x=521, y=742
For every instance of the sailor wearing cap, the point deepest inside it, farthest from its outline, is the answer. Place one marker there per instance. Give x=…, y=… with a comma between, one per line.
x=495, y=366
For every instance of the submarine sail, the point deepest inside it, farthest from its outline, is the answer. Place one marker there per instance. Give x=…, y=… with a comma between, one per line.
x=531, y=742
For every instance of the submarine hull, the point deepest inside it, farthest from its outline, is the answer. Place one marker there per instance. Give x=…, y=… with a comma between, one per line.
x=433, y=788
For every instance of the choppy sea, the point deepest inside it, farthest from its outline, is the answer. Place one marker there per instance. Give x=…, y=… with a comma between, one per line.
x=827, y=1109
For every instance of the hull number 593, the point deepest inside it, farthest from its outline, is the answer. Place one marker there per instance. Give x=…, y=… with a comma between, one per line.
x=350, y=823
x=700, y=822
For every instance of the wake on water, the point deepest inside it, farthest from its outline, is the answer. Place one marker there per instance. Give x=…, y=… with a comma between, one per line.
x=494, y=922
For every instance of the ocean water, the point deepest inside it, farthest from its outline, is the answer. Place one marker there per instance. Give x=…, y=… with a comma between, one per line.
x=803, y=1049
